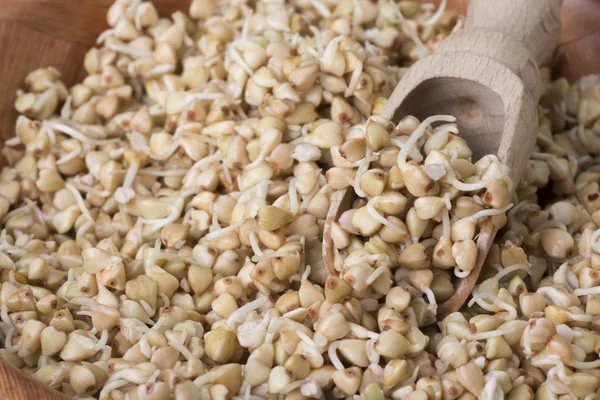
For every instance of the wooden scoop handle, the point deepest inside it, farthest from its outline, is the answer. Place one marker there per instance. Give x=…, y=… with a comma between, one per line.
x=520, y=34
x=534, y=23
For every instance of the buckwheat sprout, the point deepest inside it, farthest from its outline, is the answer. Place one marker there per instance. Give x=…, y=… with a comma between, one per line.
x=579, y=317
x=332, y=352
x=375, y=274
x=145, y=348
x=434, y=19
x=321, y=8
x=295, y=313
x=414, y=153
x=363, y=167
x=361, y=332
x=69, y=156
x=44, y=97
x=255, y=245
x=159, y=223
x=67, y=130
x=266, y=256
x=422, y=51
x=46, y=127
x=552, y=223
x=418, y=133
x=381, y=219
x=168, y=152
x=130, y=51
x=486, y=213
x=181, y=349
x=584, y=364
x=304, y=337
x=354, y=79
x=306, y=273
x=226, y=172
x=331, y=47
x=555, y=295
x=102, y=341
x=292, y=386
x=8, y=342
x=595, y=241
x=307, y=198
x=585, y=291
x=80, y=202
x=36, y=211
x=559, y=367
x=510, y=269
x=163, y=173
x=137, y=140
x=293, y=196
x=317, y=34
x=377, y=370
x=11, y=279
x=262, y=189
x=130, y=174
x=413, y=378
x=16, y=211
x=241, y=313
x=433, y=306
x=441, y=367
x=356, y=258
x=490, y=334
x=477, y=297
x=87, y=189
x=4, y=316
x=159, y=69
x=235, y=56
x=491, y=390
x=109, y=387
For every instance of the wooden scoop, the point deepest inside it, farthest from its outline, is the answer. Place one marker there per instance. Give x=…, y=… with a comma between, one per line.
x=487, y=77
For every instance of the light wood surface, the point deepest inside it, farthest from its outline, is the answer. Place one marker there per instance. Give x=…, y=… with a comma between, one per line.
x=533, y=23
x=39, y=33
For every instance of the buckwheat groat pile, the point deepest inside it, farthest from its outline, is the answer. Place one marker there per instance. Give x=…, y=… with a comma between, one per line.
x=161, y=222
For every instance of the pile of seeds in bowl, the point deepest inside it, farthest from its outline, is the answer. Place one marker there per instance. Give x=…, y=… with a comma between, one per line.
x=162, y=221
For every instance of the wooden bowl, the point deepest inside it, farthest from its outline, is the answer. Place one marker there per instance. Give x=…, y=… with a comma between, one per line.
x=39, y=33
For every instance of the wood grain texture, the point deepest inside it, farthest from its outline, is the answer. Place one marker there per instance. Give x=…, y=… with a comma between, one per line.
x=533, y=23
x=15, y=385
x=580, y=39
